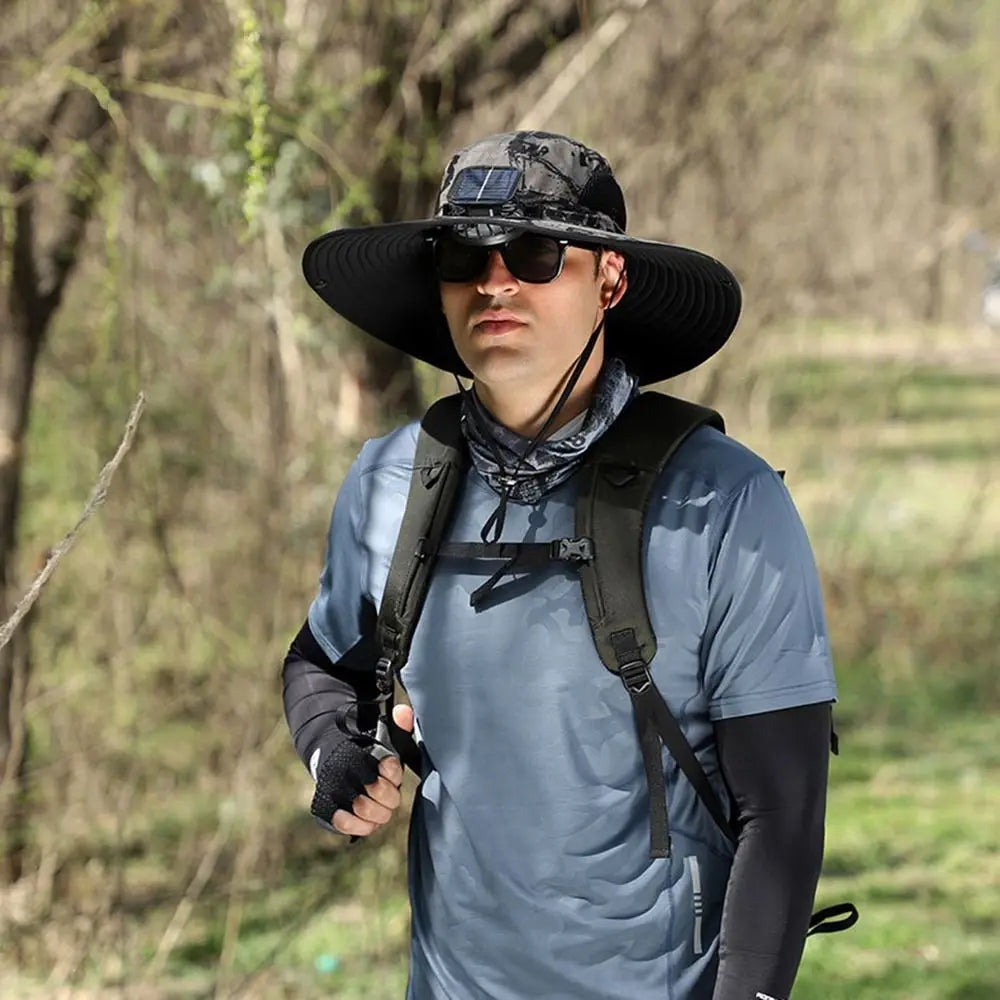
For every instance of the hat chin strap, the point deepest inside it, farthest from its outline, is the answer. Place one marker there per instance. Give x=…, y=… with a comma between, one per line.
x=493, y=528
x=577, y=372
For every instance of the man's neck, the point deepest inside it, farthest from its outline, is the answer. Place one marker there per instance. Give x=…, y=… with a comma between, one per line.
x=524, y=408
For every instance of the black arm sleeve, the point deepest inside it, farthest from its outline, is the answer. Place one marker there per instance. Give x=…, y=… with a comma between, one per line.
x=316, y=689
x=776, y=766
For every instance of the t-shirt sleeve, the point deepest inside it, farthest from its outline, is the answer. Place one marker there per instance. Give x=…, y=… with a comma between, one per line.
x=765, y=645
x=335, y=616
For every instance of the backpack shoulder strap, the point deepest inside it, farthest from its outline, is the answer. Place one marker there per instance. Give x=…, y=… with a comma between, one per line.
x=438, y=468
x=619, y=476
x=621, y=472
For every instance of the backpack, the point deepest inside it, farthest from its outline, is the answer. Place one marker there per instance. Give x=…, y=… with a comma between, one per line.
x=618, y=475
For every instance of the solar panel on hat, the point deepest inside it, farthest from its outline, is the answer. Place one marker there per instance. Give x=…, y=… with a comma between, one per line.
x=484, y=185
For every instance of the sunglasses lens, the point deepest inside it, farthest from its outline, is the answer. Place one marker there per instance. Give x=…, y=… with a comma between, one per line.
x=533, y=258
x=459, y=261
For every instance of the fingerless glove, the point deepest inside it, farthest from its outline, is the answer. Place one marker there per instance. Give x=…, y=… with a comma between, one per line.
x=343, y=772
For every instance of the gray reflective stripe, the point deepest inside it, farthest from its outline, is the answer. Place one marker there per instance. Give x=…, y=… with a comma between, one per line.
x=696, y=901
x=314, y=763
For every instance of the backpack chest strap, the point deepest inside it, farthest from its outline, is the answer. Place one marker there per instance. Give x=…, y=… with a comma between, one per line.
x=516, y=557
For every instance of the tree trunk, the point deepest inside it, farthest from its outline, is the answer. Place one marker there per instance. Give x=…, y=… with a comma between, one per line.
x=492, y=48
x=378, y=387
x=15, y=669
x=943, y=138
x=21, y=335
x=37, y=256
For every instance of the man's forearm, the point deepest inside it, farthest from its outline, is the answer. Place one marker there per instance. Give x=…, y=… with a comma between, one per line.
x=316, y=690
x=776, y=766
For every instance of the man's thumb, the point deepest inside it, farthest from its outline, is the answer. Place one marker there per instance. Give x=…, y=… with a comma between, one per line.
x=402, y=715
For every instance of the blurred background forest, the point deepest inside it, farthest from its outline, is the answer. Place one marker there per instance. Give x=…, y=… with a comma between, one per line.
x=162, y=165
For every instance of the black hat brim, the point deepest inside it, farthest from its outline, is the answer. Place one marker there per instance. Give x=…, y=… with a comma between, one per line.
x=679, y=308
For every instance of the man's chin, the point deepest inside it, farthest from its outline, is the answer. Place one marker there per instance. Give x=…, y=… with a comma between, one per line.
x=500, y=364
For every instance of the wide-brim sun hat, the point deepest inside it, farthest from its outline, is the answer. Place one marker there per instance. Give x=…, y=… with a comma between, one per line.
x=679, y=308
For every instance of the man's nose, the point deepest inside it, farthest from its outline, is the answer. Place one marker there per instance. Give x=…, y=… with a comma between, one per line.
x=496, y=279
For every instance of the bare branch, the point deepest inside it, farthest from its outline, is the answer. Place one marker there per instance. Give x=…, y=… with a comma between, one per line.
x=481, y=21
x=452, y=48
x=44, y=86
x=195, y=888
x=97, y=497
x=178, y=94
x=589, y=54
x=84, y=119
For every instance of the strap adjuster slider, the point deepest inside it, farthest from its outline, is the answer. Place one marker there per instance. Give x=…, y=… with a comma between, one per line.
x=383, y=675
x=635, y=676
x=574, y=550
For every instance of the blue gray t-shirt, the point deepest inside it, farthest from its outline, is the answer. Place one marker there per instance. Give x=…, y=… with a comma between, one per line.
x=529, y=870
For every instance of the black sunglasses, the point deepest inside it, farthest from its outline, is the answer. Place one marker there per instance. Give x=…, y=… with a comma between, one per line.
x=529, y=257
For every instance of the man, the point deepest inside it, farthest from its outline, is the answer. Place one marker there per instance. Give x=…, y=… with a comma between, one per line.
x=530, y=870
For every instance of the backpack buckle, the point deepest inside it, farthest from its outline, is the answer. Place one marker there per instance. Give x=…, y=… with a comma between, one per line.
x=575, y=550
x=383, y=675
x=635, y=676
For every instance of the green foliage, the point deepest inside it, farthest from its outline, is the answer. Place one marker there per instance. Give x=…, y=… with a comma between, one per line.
x=26, y=161
x=890, y=449
x=877, y=26
x=248, y=68
x=950, y=47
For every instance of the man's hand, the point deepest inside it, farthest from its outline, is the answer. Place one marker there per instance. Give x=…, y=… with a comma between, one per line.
x=381, y=798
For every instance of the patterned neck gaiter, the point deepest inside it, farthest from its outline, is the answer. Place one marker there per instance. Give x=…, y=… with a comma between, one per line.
x=506, y=460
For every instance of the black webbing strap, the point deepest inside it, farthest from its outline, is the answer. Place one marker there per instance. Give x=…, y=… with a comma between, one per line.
x=515, y=557
x=824, y=922
x=651, y=711
x=533, y=554
x=619, y=475
x=438, y=470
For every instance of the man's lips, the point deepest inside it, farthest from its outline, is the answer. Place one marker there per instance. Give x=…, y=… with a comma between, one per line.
x=497, y=322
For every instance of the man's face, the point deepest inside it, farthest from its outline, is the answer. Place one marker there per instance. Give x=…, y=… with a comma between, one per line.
x=506, y=330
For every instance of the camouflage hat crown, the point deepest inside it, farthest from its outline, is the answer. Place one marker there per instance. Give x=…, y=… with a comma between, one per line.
x=679, y=308
x=534, y=175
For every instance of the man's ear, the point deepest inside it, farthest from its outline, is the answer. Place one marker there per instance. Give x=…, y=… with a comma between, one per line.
x=615, y=280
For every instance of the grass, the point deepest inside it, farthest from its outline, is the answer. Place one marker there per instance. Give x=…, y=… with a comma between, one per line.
x=911, y=842
x=897, y=462
x=891, y=442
